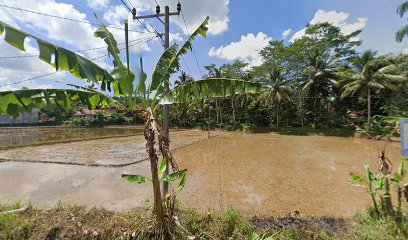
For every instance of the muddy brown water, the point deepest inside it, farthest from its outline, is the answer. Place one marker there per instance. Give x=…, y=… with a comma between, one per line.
x=267, y=174
x=12, y=136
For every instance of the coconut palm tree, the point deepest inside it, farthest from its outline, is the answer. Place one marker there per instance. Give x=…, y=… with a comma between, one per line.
x=215, y=72
x=370, y=73
x=276, y=91
x=183, y=79
x=320, y=77
x=403, y=32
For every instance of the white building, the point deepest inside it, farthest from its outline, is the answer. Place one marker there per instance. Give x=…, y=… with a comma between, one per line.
x=27, y=118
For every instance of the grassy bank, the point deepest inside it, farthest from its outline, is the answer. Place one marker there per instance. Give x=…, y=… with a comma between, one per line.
x=70, y=222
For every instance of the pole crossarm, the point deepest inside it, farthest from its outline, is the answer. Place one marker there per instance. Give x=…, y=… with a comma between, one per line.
x=156, y=15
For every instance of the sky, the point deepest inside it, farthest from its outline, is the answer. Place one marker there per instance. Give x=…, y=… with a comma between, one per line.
x=237, y=30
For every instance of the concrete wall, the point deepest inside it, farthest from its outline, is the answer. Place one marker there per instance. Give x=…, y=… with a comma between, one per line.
x=27, y=118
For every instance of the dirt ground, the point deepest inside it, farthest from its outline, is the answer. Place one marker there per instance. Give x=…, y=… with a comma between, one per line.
x=267, y=174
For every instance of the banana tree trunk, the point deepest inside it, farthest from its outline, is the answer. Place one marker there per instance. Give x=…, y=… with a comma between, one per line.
x=150, y=139
x=385, y=169
x=369, y=107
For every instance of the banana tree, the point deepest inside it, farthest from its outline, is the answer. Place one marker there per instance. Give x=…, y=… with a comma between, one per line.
x=120, y=82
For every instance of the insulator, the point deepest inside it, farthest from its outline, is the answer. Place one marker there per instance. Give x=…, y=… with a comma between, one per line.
x=179, y=7
x=134, y=12
x=157, y=9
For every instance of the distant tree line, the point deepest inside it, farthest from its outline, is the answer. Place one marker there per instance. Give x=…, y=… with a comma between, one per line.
x=318, y=81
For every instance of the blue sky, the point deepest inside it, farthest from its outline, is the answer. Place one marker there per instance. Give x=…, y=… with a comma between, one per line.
x=238, y=30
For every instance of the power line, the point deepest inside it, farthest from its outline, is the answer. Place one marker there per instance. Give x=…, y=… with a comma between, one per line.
x=30, y=79
x=131, y=3
x=130, y=10
x=160, y=36
x=192, y=48
x=182, y=57
x=78, y=51
x=126, y=5
x=54, y=72
x=65, y=18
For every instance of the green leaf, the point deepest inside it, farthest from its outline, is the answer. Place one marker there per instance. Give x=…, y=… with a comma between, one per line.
x=14, y=103
x=141, y=86
x=15, y=38
x=208, y=88
x=354, y=184
x=174, y=176
x=169, y=61
x=162, y=168
x=357, y=178
x=120, y=73
x=160, y=73
x=182, y=183
x=103, y=33
x=135, y=178
x=77, y=65
x=397, y=178
x=201, y=30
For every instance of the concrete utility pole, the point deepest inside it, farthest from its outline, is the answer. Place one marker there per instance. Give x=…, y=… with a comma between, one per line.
x=166, y=23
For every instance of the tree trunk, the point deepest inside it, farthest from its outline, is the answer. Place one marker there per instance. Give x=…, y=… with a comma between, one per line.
x=150, y=139
x=300, y=110
x=277, y=116
x=216, y=110
x=385, y=169
x=369, y=107
x=209, y=120
x=233, y=109
x=220, y=106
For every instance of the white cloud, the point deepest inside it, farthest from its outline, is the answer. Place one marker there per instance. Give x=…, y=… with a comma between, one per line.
x=195, y=12
x=116, y=15
x=286, y=33
x=405, y=51
x=97, y=4
x=76, y=34
x=338, y=19
x=247, y=49
x=19, y=69
x=176, y=37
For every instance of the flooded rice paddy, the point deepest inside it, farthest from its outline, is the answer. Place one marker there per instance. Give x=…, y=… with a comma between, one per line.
x=28, y=135
x=257, y=173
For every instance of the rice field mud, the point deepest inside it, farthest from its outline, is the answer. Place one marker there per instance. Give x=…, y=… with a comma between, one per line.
x=267, y=174
x=21, y=136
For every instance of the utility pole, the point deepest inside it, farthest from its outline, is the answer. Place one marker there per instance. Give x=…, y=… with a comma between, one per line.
x=166, y=23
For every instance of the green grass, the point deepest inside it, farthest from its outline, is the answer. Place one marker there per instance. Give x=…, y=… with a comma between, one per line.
x=7, y=207
x=73, y=222
x=370, y=226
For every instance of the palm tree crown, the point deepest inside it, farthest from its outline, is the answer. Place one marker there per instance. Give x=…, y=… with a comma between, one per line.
x=371, y=73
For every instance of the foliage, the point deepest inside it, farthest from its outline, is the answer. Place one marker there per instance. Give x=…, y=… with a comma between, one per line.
x=403, y=32
x=162, y=178
x=368, y=225
x=375, y=186
x=15, y=102
x=64, y=59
